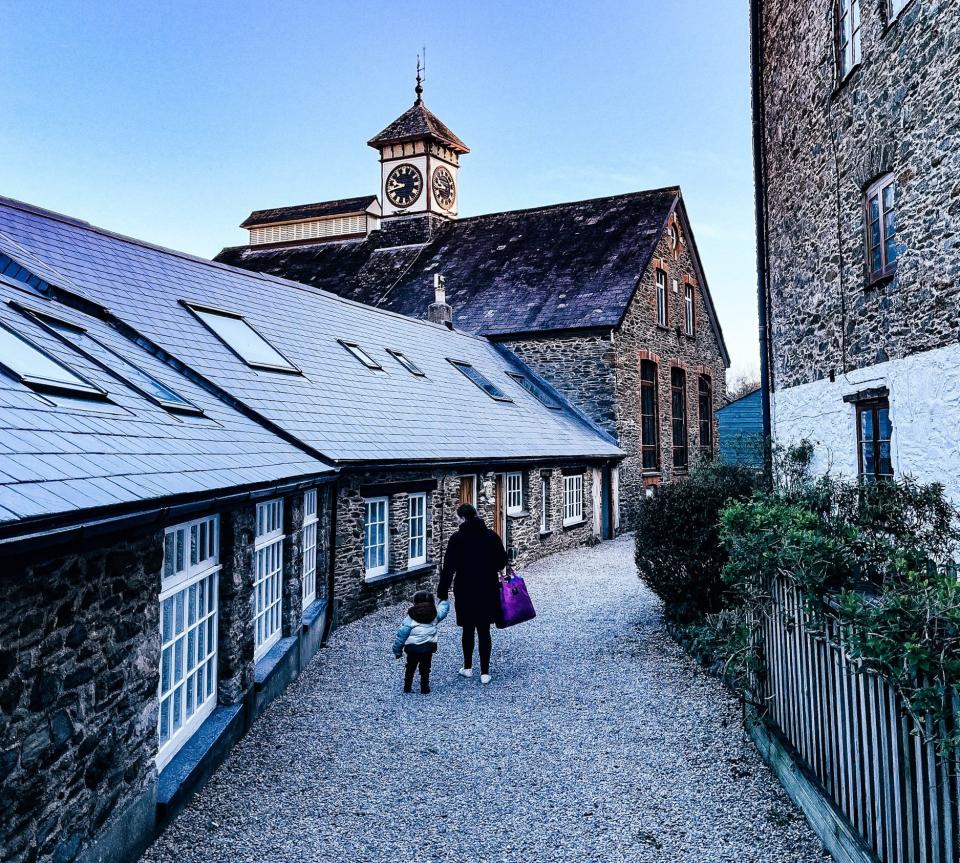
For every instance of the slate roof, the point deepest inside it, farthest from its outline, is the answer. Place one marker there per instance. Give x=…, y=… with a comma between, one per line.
x=337, y=406
x=559, y=267
x=414, y=124
x=61, y=454
x=309, y=211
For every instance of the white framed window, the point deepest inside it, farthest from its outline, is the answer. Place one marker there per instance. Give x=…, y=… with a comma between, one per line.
x=375, y=539
x=310, y=528
x=849, y=27
x=572, y=499
x=417, y=533
x=688, y=310
x=544, y=504
x=267, y=576
x=187, y=692
x=514, y=493
x=661, y=298
x=881, y=218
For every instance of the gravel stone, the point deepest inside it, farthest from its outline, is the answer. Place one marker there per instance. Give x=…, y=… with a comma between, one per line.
x=598, y=739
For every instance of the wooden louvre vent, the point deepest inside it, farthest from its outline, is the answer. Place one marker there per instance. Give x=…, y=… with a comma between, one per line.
x=314, y=229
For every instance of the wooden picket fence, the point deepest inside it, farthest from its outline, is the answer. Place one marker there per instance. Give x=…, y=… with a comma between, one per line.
x=885, y=774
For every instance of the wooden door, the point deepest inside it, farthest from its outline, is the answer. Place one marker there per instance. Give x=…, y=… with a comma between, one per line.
x=499, y=509
x=468, y=490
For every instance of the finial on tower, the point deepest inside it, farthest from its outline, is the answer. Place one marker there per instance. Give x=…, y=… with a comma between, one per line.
x=421, y=70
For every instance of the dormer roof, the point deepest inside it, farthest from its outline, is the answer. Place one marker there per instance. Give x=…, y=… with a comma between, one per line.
x=319, y=210
x=415, y=124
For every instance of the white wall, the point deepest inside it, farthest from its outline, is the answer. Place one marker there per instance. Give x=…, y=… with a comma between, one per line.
x=924, y=409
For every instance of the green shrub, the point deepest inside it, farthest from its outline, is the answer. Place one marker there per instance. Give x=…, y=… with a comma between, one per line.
x=678, y=549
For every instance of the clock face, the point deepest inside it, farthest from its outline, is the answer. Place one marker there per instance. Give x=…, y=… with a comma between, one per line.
x=404, y=185
x=444, y=189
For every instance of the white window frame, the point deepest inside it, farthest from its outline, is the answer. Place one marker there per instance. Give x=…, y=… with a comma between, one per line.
x=661, y=298
x=572, y=499
x=895, y=7
x=849, y=32
x=688, y=320
x=189, y=587
x=514, y=487
x=544, y=504
x=268, y=577
x=311, y=527
x=416, y=529
x=384, y=567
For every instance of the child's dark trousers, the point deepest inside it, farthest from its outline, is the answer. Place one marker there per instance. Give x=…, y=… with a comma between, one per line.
x=418, y=656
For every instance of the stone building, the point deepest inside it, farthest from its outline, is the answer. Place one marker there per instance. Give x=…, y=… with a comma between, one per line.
x=606, y=298
x=857, y=110
x=202, y=470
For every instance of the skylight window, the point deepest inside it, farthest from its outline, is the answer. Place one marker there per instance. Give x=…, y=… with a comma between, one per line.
x=242, y=339
x=107, y=358
x=488, y=386
x=361, y=355
x=31, y=365
x=11, y=268
x=538, y=392
x=407, y=363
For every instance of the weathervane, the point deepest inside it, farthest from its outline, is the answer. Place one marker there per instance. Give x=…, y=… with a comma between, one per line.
x=421, y=73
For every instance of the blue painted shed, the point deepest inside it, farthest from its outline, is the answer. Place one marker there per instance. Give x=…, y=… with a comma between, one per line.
x=740, y=427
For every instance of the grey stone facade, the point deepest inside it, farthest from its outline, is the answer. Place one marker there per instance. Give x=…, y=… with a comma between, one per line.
x=824, y=141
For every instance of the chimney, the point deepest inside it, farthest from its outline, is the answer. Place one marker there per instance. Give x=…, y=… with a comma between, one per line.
x=438, y=312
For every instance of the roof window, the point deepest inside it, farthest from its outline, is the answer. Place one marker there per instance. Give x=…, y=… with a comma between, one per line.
x=361, y=355
x=538, y=392
x=238, y=334
x=488, y=386
x=407, y=363
x=11, y=268
x=118, y=365
x=33, y=366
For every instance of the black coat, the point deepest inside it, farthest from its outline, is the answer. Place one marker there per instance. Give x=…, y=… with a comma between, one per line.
x=475, y=556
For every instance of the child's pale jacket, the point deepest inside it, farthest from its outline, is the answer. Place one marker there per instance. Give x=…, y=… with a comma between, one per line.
x=419, y=627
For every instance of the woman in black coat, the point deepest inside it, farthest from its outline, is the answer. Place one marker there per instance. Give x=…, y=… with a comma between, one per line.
x=475, y=556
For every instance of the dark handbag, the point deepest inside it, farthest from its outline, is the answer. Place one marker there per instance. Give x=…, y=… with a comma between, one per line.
x=515, y=604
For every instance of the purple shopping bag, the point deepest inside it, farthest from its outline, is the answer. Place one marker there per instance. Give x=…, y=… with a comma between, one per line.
x=515, y=604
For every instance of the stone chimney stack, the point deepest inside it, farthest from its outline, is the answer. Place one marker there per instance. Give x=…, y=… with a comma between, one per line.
x=439, y=312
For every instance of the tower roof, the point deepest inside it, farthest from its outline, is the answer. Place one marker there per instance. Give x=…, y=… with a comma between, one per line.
x=417, y=123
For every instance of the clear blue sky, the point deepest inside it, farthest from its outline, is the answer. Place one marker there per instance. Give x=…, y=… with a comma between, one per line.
x=170, y=121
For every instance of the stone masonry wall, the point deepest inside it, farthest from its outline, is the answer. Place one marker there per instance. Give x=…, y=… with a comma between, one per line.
x=79, y=656
x=825, y=141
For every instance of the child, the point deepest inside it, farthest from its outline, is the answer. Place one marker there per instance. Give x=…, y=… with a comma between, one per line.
x=418, y=637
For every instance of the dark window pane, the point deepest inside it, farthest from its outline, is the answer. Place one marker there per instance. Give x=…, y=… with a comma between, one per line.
x=886, y=427
x=866, y=425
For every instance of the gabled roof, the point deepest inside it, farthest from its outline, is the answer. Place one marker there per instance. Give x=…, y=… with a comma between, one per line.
x=559, y=267
x=337, y=407
x=319, y=210
x=414, y=124
x=62, y=455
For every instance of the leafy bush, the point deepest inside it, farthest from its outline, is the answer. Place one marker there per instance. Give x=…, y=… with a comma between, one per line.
x=678, y=549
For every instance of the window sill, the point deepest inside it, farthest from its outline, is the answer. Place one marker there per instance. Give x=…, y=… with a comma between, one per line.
x=545, y=533
x=846, y=80
x=651, y=473
x=520, y=513
x=313, y=612
x=570, y=525
x=881, y=279
x=400, y=575
x=664, y=328
x=893, y=20
x=272, y=660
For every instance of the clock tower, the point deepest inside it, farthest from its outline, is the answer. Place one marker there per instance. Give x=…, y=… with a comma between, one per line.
x=419, y=161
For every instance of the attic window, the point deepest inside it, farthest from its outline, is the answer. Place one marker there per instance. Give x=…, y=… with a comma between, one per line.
x=407, y=363
x=538, y=392
x=29, y=364
x=118, y=365
x=242, y=339
x=361, y=355
x=11, y=268
x=488, y=386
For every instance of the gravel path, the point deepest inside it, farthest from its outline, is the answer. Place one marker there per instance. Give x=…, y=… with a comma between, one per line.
x=597, y=740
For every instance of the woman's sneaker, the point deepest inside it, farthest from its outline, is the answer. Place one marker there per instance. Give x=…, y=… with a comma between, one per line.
x=484, y=678
x=466, y=672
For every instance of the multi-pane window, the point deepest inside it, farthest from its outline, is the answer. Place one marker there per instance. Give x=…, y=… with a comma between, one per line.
x=678, y=404
x=514, y=493
x=849, y=27
x=544, y=504
x=417, y=532
x=267, y=576
x=661, y=298
x=188, y=632
x=648, y=415
x=310, y=530
x=375, y=560
x=882, y=249
x=572, y=498
x=705, y=398
x=874, y=431
x=688, y=310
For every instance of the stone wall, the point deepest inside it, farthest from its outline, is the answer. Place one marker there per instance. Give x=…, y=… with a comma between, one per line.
x=824, y=142
x=79, y=657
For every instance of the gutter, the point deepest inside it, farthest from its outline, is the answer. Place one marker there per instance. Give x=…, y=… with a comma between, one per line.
x=760, y=203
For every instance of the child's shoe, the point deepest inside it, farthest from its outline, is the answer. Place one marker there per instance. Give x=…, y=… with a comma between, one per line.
x=466, y=672
x=484, y=679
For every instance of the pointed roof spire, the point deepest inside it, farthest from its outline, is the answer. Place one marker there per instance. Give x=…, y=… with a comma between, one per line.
x=420, y=70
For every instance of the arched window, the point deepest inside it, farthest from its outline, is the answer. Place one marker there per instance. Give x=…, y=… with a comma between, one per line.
x=849, y=26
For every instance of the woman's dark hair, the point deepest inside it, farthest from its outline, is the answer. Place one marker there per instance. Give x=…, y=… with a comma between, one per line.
x=467, y=511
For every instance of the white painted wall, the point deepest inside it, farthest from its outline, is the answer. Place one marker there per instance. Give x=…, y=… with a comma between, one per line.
x=924, y=409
